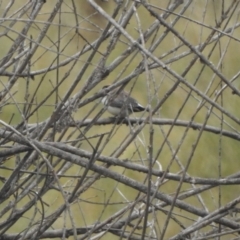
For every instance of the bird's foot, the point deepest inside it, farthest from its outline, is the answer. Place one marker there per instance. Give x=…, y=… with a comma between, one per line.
x=120, y=119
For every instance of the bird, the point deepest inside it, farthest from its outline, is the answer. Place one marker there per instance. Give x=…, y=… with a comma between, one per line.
x=119, y=103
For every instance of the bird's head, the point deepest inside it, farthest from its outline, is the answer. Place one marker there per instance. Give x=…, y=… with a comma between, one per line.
x=106, y=86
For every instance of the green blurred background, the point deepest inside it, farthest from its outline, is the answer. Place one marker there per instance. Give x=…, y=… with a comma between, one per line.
x=211, y=150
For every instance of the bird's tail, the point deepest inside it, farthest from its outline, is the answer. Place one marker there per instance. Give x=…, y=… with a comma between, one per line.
x=140, y=108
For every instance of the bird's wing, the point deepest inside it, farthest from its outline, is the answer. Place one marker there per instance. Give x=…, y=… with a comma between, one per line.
x=123, y=100
x=118, y=101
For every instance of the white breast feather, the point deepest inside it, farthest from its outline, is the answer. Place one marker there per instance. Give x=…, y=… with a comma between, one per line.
x=113, y=110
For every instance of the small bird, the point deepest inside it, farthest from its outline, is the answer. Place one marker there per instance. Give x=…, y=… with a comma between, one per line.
x=120, y=103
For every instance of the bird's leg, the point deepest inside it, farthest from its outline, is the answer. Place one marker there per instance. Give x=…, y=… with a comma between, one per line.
x=117, y=119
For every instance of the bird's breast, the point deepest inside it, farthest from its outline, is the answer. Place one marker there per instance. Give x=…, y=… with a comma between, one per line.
x=114, y=110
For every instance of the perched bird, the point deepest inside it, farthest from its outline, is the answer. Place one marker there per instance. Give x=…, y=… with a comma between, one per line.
x=120, y=103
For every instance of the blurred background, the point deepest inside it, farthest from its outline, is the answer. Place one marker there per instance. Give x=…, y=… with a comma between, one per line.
x=73, y=59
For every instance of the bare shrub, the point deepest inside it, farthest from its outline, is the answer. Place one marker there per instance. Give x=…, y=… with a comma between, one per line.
x=71, y=170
